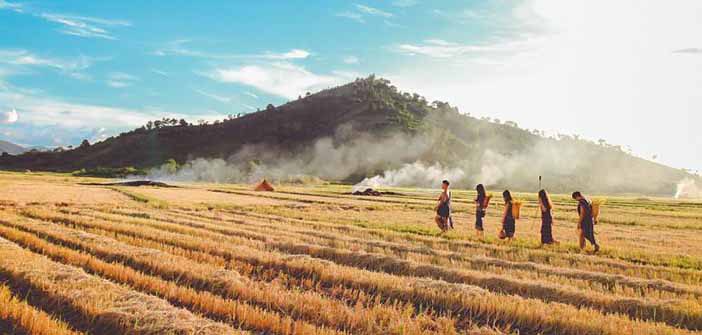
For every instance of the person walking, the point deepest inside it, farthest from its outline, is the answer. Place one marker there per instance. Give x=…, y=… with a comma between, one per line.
x=586, y=222
x=443, y=209
x=508, y=220
x=546, y=207
x=481, y=203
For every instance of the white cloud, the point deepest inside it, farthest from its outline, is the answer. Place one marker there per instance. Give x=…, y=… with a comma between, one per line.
x=579, y=67
x=292, y=54
x=180, y=48
x=19, y=61
x=161, y=73
x=19, y=57
x=11, y=6
x=85, y=26
x=372, y=11
x=251, y=94
x=117, y=84
x=279, y=78
x=472, y=15
x=9, y=117
x=438, y=48
x=52, y=121
x=360, y=11
x=98, y=135
x=212, y=96
x=40, y=110
x=351, y=60
x=120, y=80
x=353, y=16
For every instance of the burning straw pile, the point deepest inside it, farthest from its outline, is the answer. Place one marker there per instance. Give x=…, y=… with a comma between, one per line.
x=369, y=192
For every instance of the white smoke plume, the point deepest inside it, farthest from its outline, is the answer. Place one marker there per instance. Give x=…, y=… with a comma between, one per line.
x=416, y=174
x=331, y=158
x=422, y=161
x=688, y=189
x=545, y=158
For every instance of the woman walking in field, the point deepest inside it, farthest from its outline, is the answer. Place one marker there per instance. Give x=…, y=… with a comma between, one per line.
x=586, y=221
x=481, y=203
x=443, y=209
x=546, y=207
x=508, y=221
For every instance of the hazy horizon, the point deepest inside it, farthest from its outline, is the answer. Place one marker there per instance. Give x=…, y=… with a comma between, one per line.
x=626, y=72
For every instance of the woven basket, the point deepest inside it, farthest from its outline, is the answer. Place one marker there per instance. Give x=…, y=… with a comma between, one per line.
x=596, y=206
x=487, y=200
x=516, y=209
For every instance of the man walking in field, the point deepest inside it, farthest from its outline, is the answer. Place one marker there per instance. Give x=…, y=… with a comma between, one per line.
x=586, y=221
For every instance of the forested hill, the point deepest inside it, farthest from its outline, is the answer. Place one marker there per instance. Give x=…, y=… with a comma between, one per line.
x=490, y=151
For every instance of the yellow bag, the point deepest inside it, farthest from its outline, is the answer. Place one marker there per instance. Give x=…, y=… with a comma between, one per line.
x=487, y=201
x=516, y=209
x=596, y=205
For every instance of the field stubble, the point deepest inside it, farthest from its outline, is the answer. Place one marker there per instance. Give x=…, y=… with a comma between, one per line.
x=310, y=260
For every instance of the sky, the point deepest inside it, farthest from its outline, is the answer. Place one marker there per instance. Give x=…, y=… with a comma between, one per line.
x=626, y=71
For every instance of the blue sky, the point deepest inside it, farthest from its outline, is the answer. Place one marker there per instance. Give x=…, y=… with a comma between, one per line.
x=626, y=72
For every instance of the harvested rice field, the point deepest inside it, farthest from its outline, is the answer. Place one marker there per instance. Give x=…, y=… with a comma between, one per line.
x=222, y=259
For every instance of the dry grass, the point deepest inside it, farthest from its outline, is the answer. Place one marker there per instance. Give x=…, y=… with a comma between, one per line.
x=461, y=300
x=230, y=285
x=32, y=192
x=18, y=317
x=687, y=312
x=94, y=304
x=194, y=196
x=315, y=260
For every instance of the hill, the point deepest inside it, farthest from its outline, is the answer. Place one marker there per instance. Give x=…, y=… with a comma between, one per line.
x=11, y=148
x=361, y=129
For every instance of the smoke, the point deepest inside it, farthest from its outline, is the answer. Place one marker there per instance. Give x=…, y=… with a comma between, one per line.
x=344, y=155
x=688, y=189
x=403, y=160
x=199, y=170
x=416, y=174
x=545, y=158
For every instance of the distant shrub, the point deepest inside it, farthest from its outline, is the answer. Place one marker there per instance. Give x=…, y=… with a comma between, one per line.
x=107, y=172
x=170, y=166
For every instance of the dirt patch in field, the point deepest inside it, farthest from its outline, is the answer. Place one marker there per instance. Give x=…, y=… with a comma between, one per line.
x=41, y=192
x=190, y=196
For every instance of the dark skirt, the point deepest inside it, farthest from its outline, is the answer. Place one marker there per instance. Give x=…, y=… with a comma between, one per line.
x=589, y=231
x=509, y=227
x=479, y=220
x=546, y=231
